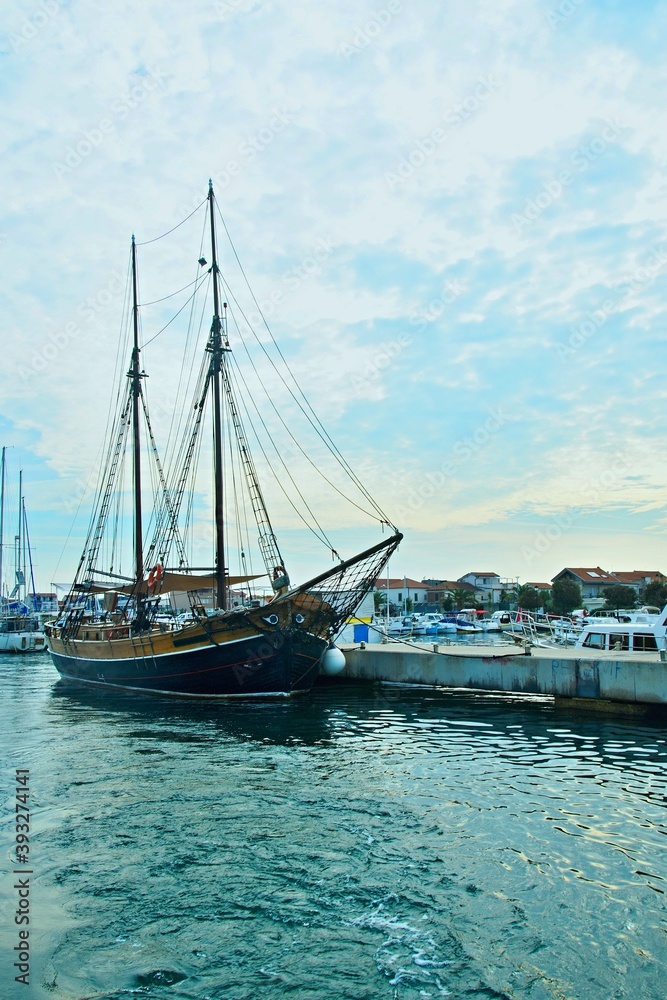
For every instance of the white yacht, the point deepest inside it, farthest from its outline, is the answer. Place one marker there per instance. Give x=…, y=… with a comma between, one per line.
x=625, y=636
x=21, y=633
x=20, y=625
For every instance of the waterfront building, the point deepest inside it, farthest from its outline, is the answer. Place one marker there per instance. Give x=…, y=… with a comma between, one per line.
x=400, y=591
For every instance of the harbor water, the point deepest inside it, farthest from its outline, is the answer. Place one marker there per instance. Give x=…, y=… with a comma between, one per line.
x=360, y=842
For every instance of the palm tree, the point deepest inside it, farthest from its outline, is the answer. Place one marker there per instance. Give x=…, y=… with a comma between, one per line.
x=460, y=597
x=380, y=600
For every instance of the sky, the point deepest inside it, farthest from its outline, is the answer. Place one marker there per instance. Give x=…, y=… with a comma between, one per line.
x=453, y=214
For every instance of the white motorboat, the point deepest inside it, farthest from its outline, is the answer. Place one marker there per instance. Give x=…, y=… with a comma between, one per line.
x=630, y=636
x=396, y=626
x=446, y=625
x=466, y=621
x=428, y=623
x=507, y=621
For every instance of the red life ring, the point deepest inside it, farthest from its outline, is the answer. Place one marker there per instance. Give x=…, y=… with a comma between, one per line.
x=155, y=575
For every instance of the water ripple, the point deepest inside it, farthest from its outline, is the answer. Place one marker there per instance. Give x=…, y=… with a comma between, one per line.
x=357, y=843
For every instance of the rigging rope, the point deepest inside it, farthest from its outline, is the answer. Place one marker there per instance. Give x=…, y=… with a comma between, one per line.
x=284, y=423
x=174, y=228
x=321, y=537
x=164, y=298
x=189, y=299
x=314, y=420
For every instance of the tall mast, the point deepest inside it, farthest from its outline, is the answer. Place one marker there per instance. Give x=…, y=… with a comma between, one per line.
x=27, y=561
x=135, y=388
x=216, y=349
x=20, y=575
x=2, y=517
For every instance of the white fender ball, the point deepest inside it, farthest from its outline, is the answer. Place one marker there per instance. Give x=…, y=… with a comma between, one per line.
x=333, y=661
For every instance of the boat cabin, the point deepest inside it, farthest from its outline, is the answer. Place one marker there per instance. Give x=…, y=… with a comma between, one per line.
x=638, y=642
x=626, y=636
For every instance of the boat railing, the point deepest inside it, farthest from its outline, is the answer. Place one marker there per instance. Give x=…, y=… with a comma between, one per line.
x=547, y=630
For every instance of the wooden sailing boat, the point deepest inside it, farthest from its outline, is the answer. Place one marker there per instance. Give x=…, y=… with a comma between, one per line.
x=110, y=631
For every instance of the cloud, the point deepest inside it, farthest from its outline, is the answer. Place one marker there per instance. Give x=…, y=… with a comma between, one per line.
x=464, y=271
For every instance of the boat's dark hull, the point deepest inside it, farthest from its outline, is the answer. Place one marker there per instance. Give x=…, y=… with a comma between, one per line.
x=278, y=664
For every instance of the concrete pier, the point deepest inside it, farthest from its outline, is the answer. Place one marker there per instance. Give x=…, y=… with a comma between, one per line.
x=638, y=679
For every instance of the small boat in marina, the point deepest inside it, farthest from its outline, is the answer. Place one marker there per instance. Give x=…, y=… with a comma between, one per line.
x=505, y=621
x=230, y=642
x=20, y=627
x=446, y=626
x=565, y=630
x=419, y=624
x=645, y=615
x=428, y=623
x=395, y=626
x=21, y=632
x=467, y=621
x=598, y=633
x=624, y=636
x=467, y=628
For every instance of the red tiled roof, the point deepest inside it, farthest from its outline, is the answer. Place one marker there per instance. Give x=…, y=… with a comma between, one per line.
x=589, y=574
x=631, y=576
x=396, y=583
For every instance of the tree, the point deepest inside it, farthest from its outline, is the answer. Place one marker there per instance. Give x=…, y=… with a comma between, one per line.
x=655, y=594
x=447, y=603
x=409, y=605
x=460, y=596
x=618, y=596
x=528, y=598
x=380, y=600
x=565, y=596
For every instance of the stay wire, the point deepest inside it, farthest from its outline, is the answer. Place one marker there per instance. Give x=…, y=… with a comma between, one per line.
x=185, y=374
x=174, y=228
x=175, y=316
x=282, y=419
x=164, y=298
x=314, y=419
x=321, y=537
